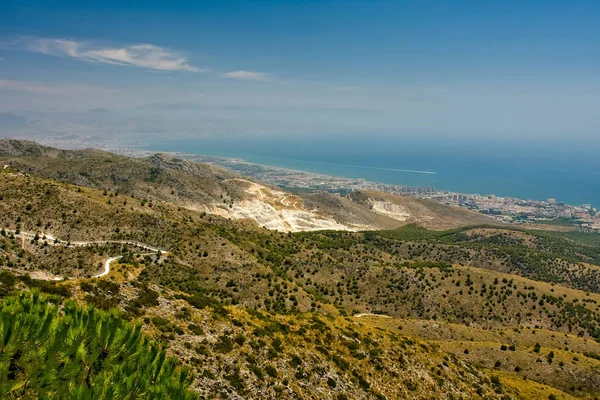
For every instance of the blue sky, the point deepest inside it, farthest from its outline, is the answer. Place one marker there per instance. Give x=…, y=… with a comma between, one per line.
x=440, y=67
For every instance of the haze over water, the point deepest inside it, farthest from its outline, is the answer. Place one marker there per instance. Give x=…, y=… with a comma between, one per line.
x=524, y=170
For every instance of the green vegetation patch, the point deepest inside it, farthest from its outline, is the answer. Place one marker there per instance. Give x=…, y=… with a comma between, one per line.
x=49, y=351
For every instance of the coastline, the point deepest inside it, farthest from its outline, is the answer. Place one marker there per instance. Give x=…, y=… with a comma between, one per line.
x=551, y=214
x=548, y=212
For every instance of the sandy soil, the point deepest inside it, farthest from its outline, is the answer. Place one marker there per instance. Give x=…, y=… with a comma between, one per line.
x=391, y=210
x=277, y=210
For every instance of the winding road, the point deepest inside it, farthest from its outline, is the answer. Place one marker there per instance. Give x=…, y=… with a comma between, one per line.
x=106, y=267
x=52, y=241
x=371, y=315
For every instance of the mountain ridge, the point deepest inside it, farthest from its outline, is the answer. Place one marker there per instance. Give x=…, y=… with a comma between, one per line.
x=215, y=190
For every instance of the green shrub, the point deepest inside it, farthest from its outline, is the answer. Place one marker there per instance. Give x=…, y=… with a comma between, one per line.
x=271, y=371
x=121, y=359
x=224, y=344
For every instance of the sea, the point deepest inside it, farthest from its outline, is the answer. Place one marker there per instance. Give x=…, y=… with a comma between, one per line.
x=526, y=169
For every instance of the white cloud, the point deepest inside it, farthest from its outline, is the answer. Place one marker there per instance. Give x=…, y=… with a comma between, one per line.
x=247, y=75
x=140, y=55
x=53, y=90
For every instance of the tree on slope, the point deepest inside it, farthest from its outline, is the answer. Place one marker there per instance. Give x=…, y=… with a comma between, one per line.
x=54, y=350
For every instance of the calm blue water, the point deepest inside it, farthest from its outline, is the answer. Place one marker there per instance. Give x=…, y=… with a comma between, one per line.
x=530, y=171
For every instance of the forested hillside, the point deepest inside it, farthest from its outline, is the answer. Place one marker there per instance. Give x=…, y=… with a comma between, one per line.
x=477, y=311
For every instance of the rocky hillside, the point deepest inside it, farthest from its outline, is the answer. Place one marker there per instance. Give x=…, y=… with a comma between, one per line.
x=206, y=188
x=159, y=177
x=475, y=312
x=395, y=211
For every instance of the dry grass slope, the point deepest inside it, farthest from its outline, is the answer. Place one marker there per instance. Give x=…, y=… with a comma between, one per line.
x=482, y=312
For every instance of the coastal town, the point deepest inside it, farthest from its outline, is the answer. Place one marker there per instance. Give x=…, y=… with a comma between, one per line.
x=509, y=210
